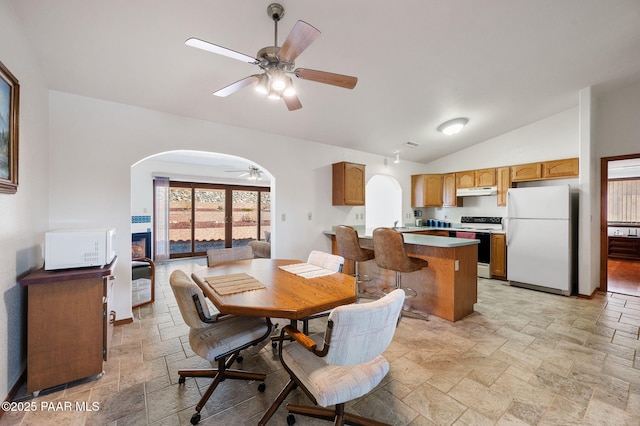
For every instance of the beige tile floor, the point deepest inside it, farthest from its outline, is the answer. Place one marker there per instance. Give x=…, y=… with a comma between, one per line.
x=523, y=358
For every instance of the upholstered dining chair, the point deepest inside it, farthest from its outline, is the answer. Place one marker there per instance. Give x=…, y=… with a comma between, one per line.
x=215, y=337
x=344, y=363
x=324, y=260
x=215, y=256
x=388, y=245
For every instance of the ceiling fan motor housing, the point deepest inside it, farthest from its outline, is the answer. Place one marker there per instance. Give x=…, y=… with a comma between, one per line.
x=275, y=11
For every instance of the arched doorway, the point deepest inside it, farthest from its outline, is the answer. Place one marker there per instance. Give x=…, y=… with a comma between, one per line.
x=384, y=202
x=206, y=193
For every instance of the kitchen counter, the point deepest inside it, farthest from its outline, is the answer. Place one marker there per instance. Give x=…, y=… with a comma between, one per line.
x=417, y=239
x=447, y=288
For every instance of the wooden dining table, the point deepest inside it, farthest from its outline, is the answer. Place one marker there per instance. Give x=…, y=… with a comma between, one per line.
x=285, y=294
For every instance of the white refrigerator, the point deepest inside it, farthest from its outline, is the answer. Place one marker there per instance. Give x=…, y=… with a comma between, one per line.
x=539, y=238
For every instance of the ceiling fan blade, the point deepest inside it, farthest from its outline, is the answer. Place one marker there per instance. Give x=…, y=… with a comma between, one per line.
x=234, y=87
x=293, y=102
x=214, y=48
x=300, y=37
x=339, y=80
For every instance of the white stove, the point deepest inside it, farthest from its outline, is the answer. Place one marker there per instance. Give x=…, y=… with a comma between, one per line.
x=481, y=227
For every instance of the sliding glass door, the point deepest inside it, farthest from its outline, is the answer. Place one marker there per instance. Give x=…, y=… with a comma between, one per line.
x=207, y=216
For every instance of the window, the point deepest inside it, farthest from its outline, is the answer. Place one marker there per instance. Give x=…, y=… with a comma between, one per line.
x=623, y=200
x=209, y=216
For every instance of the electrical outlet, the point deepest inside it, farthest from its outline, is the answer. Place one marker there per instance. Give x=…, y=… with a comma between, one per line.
x=456, y=265
x=284, y=217
x=309, y=215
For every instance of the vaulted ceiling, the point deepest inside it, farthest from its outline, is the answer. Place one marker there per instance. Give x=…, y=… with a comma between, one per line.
x=501, y=63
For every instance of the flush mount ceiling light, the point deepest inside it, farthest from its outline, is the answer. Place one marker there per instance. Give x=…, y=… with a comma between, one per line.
x=454, y=126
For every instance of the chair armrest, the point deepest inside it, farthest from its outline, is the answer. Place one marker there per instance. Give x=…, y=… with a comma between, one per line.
x=307, y=342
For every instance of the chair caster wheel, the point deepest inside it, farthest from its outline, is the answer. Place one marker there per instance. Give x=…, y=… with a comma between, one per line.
x=274, y=344
x=262, y=387
x=239, y=359
x=291, y=419
x=182, y=380
x=195, y=419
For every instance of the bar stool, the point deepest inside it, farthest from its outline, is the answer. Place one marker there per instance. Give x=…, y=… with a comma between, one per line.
x=388, y=245
x=349, y=248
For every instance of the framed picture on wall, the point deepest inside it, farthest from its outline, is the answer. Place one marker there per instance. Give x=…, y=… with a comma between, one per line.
x=9, y=108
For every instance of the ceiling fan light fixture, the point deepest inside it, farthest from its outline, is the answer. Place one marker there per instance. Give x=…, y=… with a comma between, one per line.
x=263, y=84
x=274, y=94
x=289, y=90
x=278, y=81
x=454, y=126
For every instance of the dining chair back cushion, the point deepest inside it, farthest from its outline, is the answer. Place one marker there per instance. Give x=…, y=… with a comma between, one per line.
x=354, y=364
x=215, y=256
x=325, y=260
x=183, y=290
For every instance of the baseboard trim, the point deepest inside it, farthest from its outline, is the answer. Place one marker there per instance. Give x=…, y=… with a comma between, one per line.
x=123, y=321
x=14, y=389
x=589, y=296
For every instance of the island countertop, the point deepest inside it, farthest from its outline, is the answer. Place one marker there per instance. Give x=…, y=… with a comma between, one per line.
x=447, y=288
x=411, y=237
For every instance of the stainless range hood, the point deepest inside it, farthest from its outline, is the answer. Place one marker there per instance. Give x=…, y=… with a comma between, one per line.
x=476, y=192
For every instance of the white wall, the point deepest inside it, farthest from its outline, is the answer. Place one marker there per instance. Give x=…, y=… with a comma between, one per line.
x=94, y=144
x=24, y=215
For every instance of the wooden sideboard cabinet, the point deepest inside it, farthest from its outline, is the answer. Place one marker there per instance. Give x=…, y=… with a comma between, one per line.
x=348, y=184
x=69, y=324
x=624, y=247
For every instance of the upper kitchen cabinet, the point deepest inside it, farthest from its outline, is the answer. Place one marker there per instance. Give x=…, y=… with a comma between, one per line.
x=348, y=184
x=485, y=177
x=476, y=178
x=503, y=177
x=556, y=169
x=567, y=168
x=465, y=179
x=426, y=191
x=524, y=172
x=449, y=198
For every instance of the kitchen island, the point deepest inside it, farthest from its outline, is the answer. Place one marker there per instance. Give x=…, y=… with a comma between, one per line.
x=448, y=288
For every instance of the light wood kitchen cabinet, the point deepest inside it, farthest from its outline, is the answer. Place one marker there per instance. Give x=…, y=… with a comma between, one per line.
x=503, y=177
x=567, y=168
x=449, y=198
x=498, y=256
x=348, y=184
x=466, y=179
x=525, y=172
x=485, y=177
x=476, y=178
x=68, y=324
x=426, y=190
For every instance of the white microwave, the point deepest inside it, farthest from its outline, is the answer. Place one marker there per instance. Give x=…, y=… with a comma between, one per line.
x=79, y=248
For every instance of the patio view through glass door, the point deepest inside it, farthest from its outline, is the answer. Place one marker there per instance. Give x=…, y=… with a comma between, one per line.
x=207, y=216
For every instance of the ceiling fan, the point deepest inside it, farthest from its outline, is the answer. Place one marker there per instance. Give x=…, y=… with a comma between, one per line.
x=277, y=63
x=253, y=173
